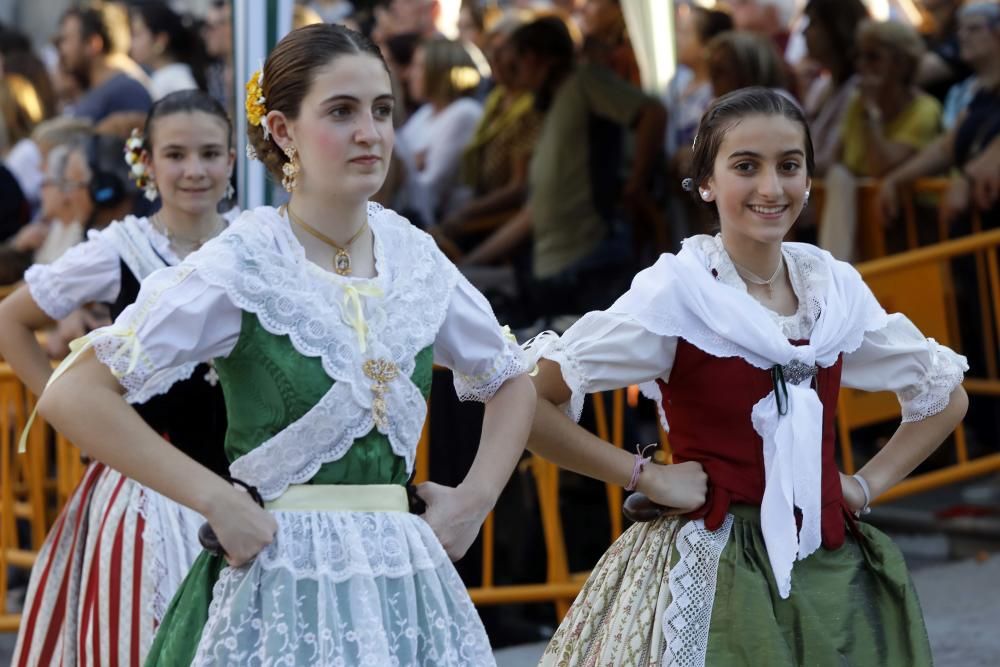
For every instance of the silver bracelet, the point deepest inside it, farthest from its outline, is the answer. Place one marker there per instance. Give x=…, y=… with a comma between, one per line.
x=868, y=495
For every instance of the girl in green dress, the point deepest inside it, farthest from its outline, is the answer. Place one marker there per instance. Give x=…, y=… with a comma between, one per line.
x=756, y=557
x=323, y=318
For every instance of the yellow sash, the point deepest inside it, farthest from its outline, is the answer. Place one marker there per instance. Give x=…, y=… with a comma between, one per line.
x=341, y=498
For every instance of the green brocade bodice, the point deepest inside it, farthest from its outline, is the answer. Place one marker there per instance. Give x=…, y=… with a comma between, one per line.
x=268, y=384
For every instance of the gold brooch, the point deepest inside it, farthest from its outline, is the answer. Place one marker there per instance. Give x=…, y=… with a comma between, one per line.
x=381, y=371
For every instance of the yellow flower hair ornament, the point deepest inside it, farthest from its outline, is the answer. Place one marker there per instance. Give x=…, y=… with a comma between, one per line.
x=255, y=105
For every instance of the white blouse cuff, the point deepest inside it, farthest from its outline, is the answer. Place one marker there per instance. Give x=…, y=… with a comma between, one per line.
x=548, y=345
x=53, y=301
x=932, y=394
x=481, y=387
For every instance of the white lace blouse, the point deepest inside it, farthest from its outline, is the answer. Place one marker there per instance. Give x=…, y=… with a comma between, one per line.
x=359, y=329
x=607, y=350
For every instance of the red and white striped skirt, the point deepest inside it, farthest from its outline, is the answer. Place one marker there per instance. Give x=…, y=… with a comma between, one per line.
x=105, y=574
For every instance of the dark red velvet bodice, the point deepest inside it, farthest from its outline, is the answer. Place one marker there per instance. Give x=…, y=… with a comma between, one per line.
x=708, y=402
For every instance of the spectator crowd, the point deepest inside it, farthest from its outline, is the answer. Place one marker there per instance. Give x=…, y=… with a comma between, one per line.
x=526, y=144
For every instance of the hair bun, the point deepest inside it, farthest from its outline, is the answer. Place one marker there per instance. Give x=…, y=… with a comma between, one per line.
x=688, y=184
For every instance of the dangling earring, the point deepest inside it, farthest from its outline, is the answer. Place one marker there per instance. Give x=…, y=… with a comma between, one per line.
x=230, y=190
x=290, y=169
x=149, y=190
x=805, y=199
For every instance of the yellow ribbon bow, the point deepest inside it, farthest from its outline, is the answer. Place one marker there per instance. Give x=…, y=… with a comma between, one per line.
x=76, y=348
x=354, y=313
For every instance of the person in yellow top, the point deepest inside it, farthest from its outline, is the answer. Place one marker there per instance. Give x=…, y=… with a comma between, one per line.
x=889, y=119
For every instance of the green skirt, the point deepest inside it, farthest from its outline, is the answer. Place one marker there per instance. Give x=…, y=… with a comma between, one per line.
x=853, y=606
x=187, y=614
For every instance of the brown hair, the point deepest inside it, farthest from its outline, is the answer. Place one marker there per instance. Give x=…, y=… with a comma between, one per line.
x=20, y=110
x=839, y=19
x=751, y=59
x=902, y=40
x=710, y=22
x=289, y=73
x=729, y=109
x=190, y=100
x=109, y=21
x=449, y=70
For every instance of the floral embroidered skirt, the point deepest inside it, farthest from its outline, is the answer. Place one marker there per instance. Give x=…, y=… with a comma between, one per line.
x=105, y=574
x=334, y=588
x=670, y=592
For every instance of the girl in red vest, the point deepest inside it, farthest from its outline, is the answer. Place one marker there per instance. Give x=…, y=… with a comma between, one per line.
x=744, y=342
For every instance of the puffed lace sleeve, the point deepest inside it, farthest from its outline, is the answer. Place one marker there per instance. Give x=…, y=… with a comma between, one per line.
x=177, y=322
x=86, y=272
x=481, y=354
x=898, y=358
x=605, y=350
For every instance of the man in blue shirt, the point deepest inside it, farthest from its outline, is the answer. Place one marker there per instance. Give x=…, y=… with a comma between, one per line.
x=88, y=52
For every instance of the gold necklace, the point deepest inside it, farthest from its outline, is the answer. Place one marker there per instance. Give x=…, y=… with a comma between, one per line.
x=753, y=278
x=180, y=242
x=342, y=258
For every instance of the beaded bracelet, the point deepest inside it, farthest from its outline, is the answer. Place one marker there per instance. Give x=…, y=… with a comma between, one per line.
x=637, y=467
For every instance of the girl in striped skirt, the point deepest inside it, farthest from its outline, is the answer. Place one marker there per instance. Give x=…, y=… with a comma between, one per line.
x=118, y=551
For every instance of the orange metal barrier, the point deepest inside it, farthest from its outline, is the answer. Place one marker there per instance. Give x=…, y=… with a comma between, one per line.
x=27, y=492
x=933, y=309
x=561, y=585
x=873, y=228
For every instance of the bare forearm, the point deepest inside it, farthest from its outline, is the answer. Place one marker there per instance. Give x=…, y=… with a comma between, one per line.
x=503, y=241
x=912, y=443
x=509, y=197
x=506, y=424
x=885, y=155
x=20, y=317
x=104, y=426
x=557, y=438
x=21, y=350
x=935, y=158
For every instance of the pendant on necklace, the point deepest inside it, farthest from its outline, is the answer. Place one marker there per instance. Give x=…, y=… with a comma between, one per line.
x=342, y=263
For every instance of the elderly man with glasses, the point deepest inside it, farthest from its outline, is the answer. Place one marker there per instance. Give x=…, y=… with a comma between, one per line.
x=66, y=208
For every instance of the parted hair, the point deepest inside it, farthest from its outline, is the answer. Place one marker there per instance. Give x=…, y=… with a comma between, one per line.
x=729, y=109
x=289, y=72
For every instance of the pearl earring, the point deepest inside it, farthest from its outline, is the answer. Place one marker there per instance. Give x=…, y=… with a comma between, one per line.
x=704, y=194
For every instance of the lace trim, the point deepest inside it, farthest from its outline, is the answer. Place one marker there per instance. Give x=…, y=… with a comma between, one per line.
x=117, y=347
x=167, y=561
x=387, y=591
x=651, y=390
x=933, y=394
x=692, y=582
x=290, y=296
x=548, y=345
x=482, y=386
